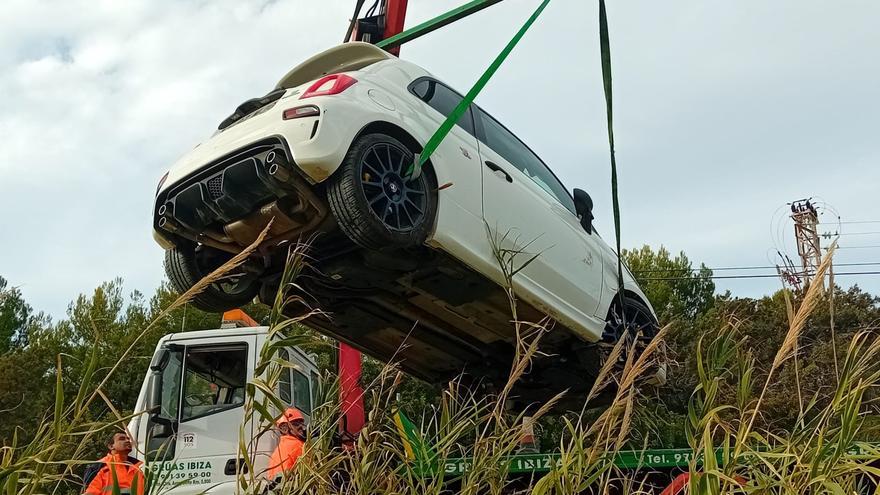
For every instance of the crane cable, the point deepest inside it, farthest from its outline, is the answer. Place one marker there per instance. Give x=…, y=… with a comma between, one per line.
x=359, y=4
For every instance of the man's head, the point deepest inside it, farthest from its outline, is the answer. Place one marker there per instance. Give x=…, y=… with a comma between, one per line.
x=120, y=443
x=296, y=428
x=292, y=422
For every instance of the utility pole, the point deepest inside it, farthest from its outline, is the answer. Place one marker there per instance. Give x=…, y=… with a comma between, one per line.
x=806, y=235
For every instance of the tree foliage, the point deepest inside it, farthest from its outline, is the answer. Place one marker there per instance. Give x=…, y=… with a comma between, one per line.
x=675, y=288
x=14, y=317
x=108, y=321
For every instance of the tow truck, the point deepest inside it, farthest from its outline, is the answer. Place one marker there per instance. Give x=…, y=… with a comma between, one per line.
x=195, y=392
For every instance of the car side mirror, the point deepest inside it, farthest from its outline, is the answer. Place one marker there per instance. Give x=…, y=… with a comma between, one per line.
x=583, y=206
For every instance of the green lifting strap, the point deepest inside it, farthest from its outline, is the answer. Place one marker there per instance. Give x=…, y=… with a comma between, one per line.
x=605, y=49
x=415, y=169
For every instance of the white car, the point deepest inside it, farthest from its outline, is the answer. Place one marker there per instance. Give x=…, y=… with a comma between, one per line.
x=403, y=267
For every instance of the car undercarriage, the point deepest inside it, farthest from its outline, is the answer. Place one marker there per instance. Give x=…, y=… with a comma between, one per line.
x=436, y=318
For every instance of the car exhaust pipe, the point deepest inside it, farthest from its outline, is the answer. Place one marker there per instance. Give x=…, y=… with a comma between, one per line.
x=279, y=172
x=165, y=209
x=276, y=167
x=166, y=224
x=285, y=218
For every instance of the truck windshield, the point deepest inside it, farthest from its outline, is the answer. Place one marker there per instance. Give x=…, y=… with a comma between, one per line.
x=214, y=380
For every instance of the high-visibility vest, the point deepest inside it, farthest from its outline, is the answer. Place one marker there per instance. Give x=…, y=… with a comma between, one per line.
x=285, y=456
x=129, y=477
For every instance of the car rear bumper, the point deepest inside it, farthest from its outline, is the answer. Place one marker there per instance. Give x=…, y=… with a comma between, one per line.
x=227, y=203
x=209, y=194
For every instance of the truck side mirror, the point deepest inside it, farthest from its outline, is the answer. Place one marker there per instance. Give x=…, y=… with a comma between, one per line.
x=154, y=392
x=583, y=205
x=154, y=396
x=162, y=428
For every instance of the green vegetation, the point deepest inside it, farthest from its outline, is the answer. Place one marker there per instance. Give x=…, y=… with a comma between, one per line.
x=784, y=393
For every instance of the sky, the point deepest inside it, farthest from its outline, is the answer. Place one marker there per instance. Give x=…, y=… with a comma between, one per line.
x=723, y=113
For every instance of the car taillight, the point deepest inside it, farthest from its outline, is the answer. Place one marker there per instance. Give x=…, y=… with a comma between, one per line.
x=300, y=112
x=329, y=85
x=161, y=181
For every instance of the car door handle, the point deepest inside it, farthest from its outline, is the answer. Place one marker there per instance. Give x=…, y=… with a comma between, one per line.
x=229, y=468
x=500, y=172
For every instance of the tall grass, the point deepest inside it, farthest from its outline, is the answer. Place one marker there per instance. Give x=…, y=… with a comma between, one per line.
x=57, y=451
x=820, y=454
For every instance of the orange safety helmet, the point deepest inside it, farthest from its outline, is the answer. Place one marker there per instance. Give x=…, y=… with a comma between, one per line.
x=290, y=415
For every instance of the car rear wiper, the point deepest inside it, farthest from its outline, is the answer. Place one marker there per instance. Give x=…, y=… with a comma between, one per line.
x=249, y=106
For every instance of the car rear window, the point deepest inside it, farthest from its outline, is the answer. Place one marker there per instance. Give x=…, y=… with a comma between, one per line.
x=442, y=99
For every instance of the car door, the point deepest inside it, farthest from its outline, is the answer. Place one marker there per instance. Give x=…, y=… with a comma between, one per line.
x=209, y=411
x=459, y=228
x=527, y=208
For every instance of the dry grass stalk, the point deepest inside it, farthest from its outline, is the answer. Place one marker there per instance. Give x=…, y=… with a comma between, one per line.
x=789, y=343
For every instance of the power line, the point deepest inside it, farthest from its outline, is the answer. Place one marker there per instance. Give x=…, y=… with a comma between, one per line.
x=762, y=275
x=858, y=247
x=846, y=223
x=829, y=234
x=656, y=270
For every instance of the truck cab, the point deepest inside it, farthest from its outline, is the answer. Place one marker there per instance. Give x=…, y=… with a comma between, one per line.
x=192, y=405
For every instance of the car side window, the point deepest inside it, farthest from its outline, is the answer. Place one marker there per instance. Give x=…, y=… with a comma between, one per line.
x=503, y=142
x=442, y=99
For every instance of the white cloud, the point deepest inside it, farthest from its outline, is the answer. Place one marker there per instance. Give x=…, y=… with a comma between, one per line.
x=723, y=112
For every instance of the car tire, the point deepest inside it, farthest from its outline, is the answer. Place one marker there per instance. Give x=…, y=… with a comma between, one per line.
x=639, y=323
x=373, y=203
x=185, y=267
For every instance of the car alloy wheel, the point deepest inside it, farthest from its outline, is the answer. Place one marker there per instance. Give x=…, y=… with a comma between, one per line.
x=398, y=202
x=635, y=322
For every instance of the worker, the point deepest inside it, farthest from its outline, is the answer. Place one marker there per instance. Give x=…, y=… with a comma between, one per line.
x=292, y=426
x=100, y=480
x=344, y=443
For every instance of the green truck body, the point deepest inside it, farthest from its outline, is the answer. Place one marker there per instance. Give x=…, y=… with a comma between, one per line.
x=424, y=462
x=542, y=463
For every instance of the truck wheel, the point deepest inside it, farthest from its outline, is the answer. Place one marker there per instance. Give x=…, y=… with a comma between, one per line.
x=639, y=323
x=186, y=265
x=374, y=203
